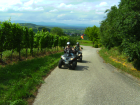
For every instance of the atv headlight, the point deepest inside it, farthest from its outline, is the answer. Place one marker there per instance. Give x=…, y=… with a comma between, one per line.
x=79, y=54
x=72, y=58
x=62, y=57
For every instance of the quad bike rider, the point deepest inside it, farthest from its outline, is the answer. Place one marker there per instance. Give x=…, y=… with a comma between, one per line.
x=78, y=51
x=69, y=57
x=69, y=48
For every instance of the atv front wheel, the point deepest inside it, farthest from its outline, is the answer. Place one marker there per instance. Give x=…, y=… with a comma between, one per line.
x=74, y=65
x=80, y=59
x=60, y=63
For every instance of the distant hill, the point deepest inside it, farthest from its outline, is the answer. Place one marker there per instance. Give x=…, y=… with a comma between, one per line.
x=53, y=24
x=66, y=28
x=34, y=26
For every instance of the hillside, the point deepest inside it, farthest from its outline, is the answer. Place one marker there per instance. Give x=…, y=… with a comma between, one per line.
x=68, y=30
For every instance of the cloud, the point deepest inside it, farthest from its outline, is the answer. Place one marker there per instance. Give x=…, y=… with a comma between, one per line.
x=64, y=5
x=9, y=2
x=28, y=3
x=61, y=15
x=39, y=9
x=102, y=4
x=4, y=5
x=54, y=10
x=99, y=12
x=61, y=5
x=71, y=12
x=2, y=8
x=16, y=14
x=37, y=1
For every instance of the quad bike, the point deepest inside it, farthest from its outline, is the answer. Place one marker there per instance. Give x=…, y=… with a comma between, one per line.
x=78, y=55
x=69, y=60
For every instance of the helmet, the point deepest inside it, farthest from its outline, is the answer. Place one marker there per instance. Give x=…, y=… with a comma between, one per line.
x=68, y=43
x=77, y=43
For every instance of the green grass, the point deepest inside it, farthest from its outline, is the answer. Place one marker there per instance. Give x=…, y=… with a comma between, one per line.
x=119, y=60
x=18, y=81
x=85, y=42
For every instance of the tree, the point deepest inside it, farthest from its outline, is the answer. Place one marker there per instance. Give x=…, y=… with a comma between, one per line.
x=57, y=31
x=26, y=40
x=44, y=29
x=72, y=40
x=93, y=34
x=31, y=38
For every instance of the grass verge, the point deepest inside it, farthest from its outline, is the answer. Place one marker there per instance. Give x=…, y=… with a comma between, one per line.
x=19, y=82
x=85, y=42
x=119, y=60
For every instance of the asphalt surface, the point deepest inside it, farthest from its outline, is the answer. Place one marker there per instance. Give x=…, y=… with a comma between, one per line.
x=91, y=83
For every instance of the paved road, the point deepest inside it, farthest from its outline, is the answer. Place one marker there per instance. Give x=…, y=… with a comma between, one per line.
x=92, y=83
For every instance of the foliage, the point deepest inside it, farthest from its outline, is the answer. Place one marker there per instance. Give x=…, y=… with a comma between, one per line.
x=26, y=40
x=31, y=36
x=63, y=41
x=56, y=40
x=40, y=28
x=45, y=29
x=57, y=31
x=15, y=37
x=93, y=34
x=121, y=28
x=2, y=38
x=37, y=38
x=72, y=40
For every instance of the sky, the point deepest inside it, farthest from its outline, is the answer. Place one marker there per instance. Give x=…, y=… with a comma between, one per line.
x=71, y=12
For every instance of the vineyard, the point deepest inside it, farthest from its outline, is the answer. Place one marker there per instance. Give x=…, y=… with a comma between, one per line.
x=15, y=38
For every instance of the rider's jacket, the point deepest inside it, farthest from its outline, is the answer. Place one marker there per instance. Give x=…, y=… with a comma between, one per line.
x=77, y=47
x=68, y=48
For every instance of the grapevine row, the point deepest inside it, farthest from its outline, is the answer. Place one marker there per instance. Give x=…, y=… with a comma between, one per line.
x=15, y=37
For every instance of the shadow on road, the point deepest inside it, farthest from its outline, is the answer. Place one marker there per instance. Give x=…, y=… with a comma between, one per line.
x=84, y=61
x=80, y=68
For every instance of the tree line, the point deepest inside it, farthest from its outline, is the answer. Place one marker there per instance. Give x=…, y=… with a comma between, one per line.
x=119, y=29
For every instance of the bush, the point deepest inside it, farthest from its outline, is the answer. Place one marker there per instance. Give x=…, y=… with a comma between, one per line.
x=79, y=38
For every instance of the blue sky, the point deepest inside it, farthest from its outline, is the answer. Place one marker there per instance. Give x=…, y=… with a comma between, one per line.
x=70, y=12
